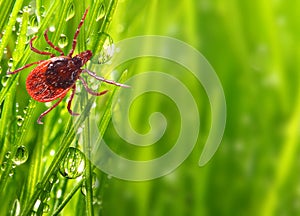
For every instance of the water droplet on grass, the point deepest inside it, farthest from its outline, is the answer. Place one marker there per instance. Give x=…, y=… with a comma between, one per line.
x=95, y=184
x=73, y=164
x=63, y=41
x=34, y=25
x=11, y=173
x=16, y=208
x=42, y=11
x=52, y=28
x=19, y=16
x=20, y=120
x=4, y=80
x=10, y=62
x=71, y=11
x=8, y=154
x=3, y=166
x=101, y=13
x=106, y=51
x=21, y=155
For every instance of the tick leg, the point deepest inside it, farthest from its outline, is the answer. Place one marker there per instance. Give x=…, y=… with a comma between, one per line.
x=48, y=110
x=70, y=101
x=90, y=90
x=105, y=80
x=77, y=32
x=39, y=51
x=25, y=66
x=51, y=44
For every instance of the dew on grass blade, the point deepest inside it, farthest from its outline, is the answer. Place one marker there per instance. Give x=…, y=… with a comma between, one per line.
x=73, y=164
x=21, y=155
x=42, y=11
x=16, y=208
x=34, y=24
x=63, y=41
x=3, y=165
x=95, y=184
x=101, y=13
x=8, y=154
x=71, y=12
x=19, y=16
x=4, y=80
x=10, y=62
x=20, y=120
x=106, y=51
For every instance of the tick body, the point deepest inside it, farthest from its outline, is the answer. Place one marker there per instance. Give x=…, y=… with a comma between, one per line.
x=53, y=78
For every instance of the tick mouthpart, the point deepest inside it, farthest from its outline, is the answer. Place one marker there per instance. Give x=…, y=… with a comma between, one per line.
x=86, y=55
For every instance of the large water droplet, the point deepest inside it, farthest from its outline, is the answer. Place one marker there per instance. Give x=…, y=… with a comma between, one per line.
x=107, y=50
x=63, y=41
x=21, y=155
x=73, y=164
x=101, y=12
x=71, y=11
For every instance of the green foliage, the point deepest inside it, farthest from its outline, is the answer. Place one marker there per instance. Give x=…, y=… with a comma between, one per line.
x=253, y=47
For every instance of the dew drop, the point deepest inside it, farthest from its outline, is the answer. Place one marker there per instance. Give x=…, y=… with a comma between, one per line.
x=52, y=28
x=4, y=80
x=3, y=166
x=10, y=62
x=26, y=9
x=7, y=155
x=34, y=25
x=42, y=11
x=73, y=164
x=63, y=41
x=19, y=16
x=37, y=205
x=53, y=179
x=107, y=50
x=59, y=193
x=71, y=12
x=11, y=173
x=101, y=13
x=20, y=120
x=16, y=208
x=5, y=51
x=21, y=155
x=95, y=184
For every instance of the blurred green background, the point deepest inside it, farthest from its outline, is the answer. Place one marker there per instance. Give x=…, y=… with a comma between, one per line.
x=253, y=47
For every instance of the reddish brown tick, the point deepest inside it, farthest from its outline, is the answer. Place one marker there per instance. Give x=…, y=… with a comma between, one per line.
x=53, y=78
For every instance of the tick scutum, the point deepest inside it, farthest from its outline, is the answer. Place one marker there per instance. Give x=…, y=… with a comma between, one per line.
x=62, y=72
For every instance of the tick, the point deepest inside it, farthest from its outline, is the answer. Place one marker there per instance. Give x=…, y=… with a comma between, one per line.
x=53, y=78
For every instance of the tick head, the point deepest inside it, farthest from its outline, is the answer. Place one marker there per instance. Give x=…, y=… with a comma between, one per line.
x=82, y=57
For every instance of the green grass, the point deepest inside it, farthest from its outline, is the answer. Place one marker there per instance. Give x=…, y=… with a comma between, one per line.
x=253, y=47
